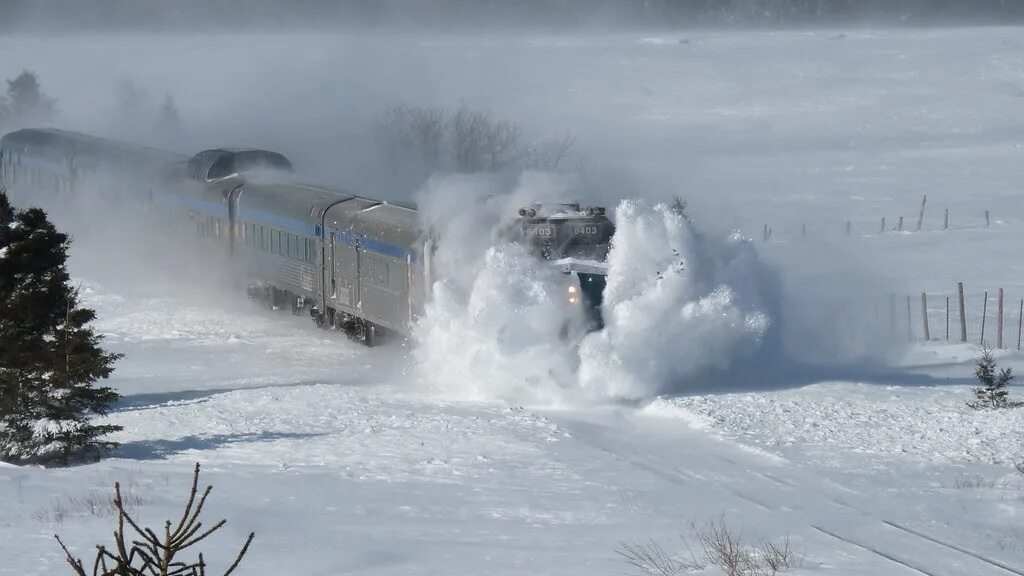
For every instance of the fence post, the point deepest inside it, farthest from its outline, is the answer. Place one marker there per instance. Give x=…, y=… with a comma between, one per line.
x=984, y=314
x=924, y=316
x=910, y=325
x=803, y=230
x=899, y=227
x=892, y=312
x=920, y=216
x=999, y=322
x=947, y=318
x=882, y=229
x=847, y=227
x=945, y=223
x=1020, y=322
x=765, y=234
x=988, y=223
x=963, y=313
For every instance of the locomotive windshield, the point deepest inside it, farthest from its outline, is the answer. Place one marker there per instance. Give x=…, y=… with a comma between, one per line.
x=586, y=237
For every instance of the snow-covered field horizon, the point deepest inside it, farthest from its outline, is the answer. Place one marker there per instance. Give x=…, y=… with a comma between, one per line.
x=477, y=448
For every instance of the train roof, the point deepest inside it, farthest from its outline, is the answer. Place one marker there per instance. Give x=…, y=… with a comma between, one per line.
x=64, y=143
x=218, y=163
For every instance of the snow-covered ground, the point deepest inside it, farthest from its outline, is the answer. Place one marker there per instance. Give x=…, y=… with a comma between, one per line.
x=352, y=461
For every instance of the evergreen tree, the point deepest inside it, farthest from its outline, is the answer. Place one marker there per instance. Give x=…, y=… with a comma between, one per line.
x=679, y=207
x=993, y=392
x=26, y=100
x=5, y=112
x=50, y=359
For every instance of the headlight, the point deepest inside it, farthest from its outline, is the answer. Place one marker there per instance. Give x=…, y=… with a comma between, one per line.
x=572, y=300
x=572, y=289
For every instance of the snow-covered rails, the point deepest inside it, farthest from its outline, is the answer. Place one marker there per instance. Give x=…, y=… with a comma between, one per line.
x=353, y=263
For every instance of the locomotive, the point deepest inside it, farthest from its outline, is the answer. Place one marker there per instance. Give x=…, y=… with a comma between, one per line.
x=353, y=263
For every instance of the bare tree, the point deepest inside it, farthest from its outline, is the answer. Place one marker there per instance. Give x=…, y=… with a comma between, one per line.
x=466, y=141
x=468, y=133
x=547, y=153
x=501, y=140
x=414, y=134
x=152, y=555
x=427, y=131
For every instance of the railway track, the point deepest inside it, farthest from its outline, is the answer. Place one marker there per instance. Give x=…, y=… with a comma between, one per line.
x=799, y=497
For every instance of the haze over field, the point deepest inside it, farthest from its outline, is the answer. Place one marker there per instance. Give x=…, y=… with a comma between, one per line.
x=740, y=374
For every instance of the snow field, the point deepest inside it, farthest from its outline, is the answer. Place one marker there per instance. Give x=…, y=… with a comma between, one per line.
x=875, y=425
x=372, y=462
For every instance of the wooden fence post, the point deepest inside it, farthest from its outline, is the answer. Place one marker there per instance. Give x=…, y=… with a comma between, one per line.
x=920, y=216
x=882, y=229
x=963, y=313
x=910, y=325
x=899, y=227
x=847, y=227
x=984, y=314
x=892, y=312
x=988, y=223
x=924, y=316
x=947, y=318
x=765, y=234
x=1020, y=322
x=999, y=322
x=803, y=230
x=945, y=223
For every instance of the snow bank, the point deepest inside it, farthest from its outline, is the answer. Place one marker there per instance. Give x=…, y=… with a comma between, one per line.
x=832, y=423
x=678, y=304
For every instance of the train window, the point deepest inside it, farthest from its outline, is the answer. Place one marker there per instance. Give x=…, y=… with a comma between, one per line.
x=291, y=245
x=275, y=242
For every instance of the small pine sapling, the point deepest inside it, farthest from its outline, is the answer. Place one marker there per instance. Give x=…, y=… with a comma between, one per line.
x=993, y=392
x=679, y=206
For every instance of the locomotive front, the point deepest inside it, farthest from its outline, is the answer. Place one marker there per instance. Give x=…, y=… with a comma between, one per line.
x=575, y=240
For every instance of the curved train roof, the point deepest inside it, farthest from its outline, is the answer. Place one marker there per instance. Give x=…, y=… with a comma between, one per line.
x=63, y=143
x=218, y=163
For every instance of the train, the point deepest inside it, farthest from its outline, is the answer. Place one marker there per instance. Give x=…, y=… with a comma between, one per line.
x=353, y=263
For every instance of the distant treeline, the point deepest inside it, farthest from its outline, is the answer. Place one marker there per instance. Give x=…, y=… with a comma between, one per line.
x=106, y=14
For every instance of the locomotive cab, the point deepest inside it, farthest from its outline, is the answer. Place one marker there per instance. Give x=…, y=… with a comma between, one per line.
x=576, y=240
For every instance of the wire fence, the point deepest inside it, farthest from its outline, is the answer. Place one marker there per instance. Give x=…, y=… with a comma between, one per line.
x=991, y=318
x=919, y=221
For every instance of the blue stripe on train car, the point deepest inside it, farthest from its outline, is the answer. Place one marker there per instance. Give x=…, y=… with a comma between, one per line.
x=298, y=226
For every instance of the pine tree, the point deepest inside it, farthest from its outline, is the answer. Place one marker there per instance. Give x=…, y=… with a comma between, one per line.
x=679, y=206
x=26, y=100
x=49, y=357
x=5, y=112
x=993, y=392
